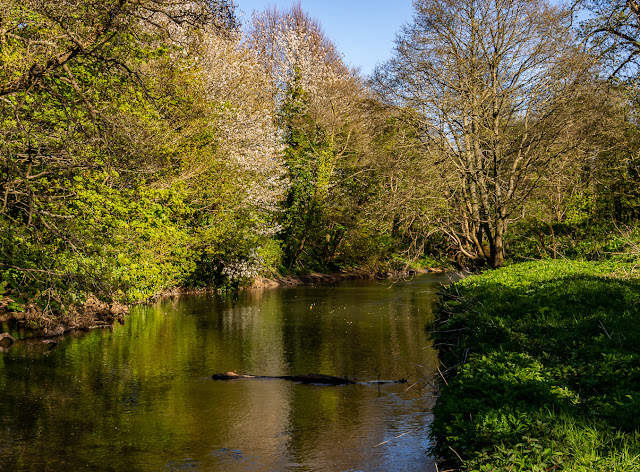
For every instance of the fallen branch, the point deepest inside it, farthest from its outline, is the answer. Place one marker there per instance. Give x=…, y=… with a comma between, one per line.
x=7, y=336
x=318, y=379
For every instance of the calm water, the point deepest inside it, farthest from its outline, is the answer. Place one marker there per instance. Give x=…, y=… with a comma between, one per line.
x=140, y=397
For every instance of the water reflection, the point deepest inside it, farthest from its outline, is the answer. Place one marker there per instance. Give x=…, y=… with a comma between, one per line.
x=139, y=397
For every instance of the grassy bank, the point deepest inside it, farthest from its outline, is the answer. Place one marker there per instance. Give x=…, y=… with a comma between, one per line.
x=542, y=361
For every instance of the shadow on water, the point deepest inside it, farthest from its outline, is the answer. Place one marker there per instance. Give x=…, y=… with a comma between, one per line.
x=140, y=397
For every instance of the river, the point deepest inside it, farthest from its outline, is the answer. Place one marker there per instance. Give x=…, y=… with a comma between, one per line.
x=140, y=397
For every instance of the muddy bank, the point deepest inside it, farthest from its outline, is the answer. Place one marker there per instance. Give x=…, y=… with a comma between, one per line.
x=48, y=323
x=316, y=278
x=310, y=279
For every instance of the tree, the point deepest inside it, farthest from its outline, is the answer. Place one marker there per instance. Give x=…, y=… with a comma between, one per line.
x=409, y=206
x=102, y=110
x=40, y=37
x=236, y=188
x=325, y=128
x=614, y=30
x=490, y=81
x=591, y=188
x=67, y=67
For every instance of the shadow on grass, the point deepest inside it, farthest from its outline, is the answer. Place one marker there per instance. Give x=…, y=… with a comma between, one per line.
x=533, y=353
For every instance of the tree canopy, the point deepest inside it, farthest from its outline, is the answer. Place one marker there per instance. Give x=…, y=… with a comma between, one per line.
x=149, y=144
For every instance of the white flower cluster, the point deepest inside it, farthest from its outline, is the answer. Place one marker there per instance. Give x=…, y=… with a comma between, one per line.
x=247, y=136
x=268, y=230
x=292, y=46
x=244, y=269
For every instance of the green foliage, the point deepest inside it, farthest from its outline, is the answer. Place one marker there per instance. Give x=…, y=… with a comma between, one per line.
x=112, y=179
x=232, y=254
x=306, y=216
x=323, y=225
x=579, y=209
x=135, y=238
x=547, y=355
x=589, y=240
x=430, y=262
x=124, y=243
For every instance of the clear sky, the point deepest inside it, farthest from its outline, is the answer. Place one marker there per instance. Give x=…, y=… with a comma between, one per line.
x=362, y=30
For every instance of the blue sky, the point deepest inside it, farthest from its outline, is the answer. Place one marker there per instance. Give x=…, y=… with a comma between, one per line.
x=362, y=30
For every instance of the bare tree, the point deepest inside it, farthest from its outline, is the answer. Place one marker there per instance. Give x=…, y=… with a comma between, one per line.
x=614, y=29
x=490, y=81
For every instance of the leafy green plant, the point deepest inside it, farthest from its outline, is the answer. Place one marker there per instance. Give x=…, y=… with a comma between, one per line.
x=15, y=306
x=540, y=356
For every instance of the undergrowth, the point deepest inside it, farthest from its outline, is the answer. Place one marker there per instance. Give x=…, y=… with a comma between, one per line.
x=542, y=361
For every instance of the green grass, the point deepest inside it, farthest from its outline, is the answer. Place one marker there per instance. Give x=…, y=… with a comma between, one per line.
x=543, y=369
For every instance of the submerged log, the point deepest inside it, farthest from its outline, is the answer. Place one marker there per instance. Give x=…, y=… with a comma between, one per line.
x=231, y=376
x=7, y=336
x=306, y=378
x=317, y=379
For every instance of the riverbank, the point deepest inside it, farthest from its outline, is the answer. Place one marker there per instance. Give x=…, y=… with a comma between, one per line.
x=49, y=323
x=309, y=279
x=318, y=278
x=542, y=369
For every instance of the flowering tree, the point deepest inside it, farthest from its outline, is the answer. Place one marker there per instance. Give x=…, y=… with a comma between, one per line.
x=322, y=117
x=240, y=183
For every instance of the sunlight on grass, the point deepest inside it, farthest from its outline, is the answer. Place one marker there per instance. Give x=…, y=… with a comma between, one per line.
x=543, y=365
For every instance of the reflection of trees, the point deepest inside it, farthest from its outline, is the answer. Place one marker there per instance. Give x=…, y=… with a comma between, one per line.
x=133, y=395
x=360, y=334
x=383, y=332
x=140, y=395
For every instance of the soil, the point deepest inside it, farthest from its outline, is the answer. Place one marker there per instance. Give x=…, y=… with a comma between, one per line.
x=52, y=323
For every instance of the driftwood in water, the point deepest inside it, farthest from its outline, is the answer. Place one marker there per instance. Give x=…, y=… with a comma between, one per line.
x=307, y=378
x=7, y=336
x=231, y=376
x=319, y=379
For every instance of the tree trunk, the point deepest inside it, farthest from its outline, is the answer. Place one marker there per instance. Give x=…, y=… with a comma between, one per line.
x=497, y=246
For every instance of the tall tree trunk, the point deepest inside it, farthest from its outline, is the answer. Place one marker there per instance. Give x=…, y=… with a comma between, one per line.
x=497, y=247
